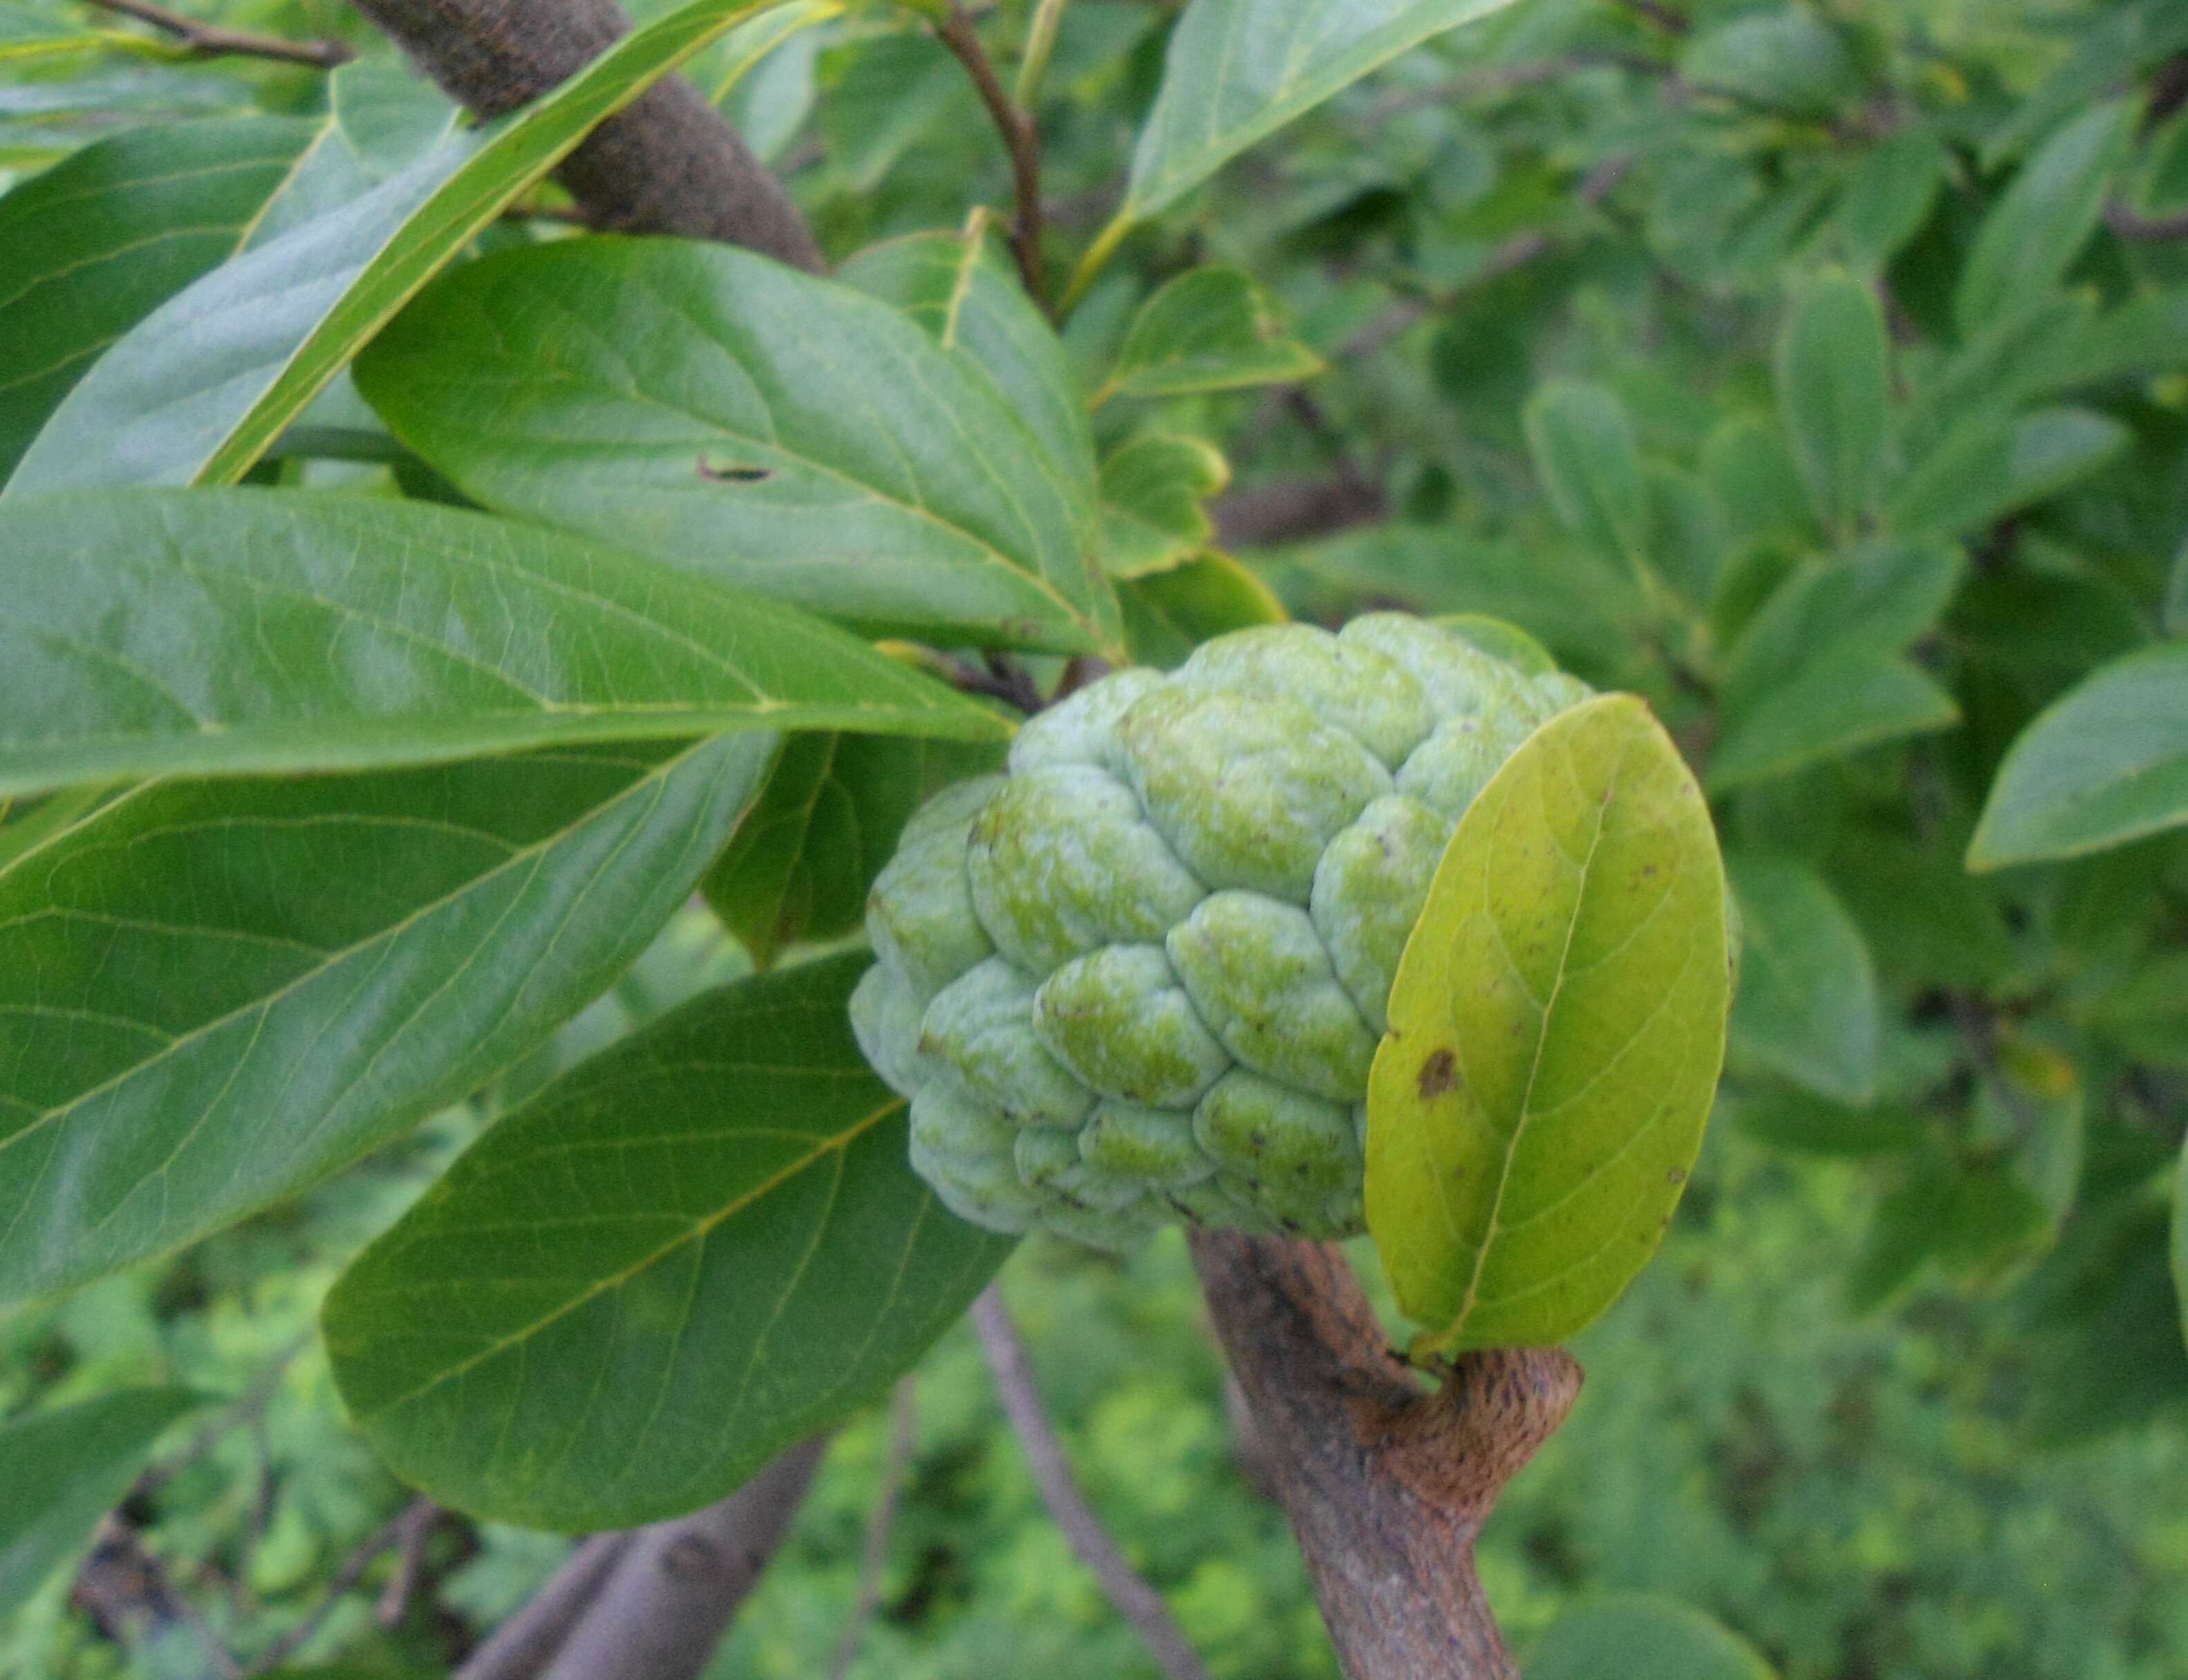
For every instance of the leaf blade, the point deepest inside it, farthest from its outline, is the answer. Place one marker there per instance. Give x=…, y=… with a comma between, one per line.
x=1808, y=1004
x=1606, y=933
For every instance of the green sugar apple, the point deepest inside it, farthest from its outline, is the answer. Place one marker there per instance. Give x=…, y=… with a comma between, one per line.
x=1140, y=977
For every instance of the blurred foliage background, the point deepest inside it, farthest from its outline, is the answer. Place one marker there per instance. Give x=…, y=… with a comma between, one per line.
x=1903, y=1396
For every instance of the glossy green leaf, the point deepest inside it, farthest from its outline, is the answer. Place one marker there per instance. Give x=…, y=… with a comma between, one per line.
x=91, y=246
x=2039, y=224
x=1806, y=1008
x=802, y=858
x=1994, y=464
x=1557, y=1025
x=967, y=298
x=1788, y=59
x=1237, y=70
x=718, y=1213
x=214, y=994
x=752, y=423
x=1168, y=614
x=1207, y=329
x=1834, y=392
x=65, y=1468
x=1888, y=196
x=2104, y=764
x=1585, y=453
x=1632, y=1637
x=200, y=633
x=1154, y=488
x=200, y=387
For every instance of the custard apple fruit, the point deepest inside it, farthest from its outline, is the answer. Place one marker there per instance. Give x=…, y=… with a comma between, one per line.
x=1140, y=976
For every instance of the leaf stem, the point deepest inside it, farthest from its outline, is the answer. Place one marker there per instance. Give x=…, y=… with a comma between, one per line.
x=212, y=41
x=1040, y=47
x=1020, y=139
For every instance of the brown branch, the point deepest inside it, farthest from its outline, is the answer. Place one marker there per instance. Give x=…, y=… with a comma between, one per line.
x=1386, y=1485
x=210, y=40
x=521, y=1646
x=668, y=164
x=1293, y=510
x=417, y=1528
x=663, y=1608
x=2131, y=224
x=386, y=1538
x=130, y=1593
x=1135, y=1600
x=1020, y=138
x=904, y=1423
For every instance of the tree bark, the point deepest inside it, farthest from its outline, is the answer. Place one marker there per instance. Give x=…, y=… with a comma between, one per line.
x=1386, y=1485
x=662, y=1612
x=668, y=164
x=522, y=1645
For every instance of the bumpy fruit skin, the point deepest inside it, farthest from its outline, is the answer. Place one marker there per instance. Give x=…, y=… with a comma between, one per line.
x=1140, y=977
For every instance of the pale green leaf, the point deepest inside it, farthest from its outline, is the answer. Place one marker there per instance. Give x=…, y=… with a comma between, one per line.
x=2099, y=767
x=1828, y=707
x=700, y=1246
x=65, y=1468
x=750, y=424
x=1168, y=614
x=2039, y=224
x=199, y=389
x=91, y=246
x=214, y=994
x=1834, y=392
x=1994, y=464
x=1806, y=1008
x=1557, y=1026
x=1207, y=329
x=1154, y=488
x=1237, y=70
x=200, y=633
x=1632, y=1637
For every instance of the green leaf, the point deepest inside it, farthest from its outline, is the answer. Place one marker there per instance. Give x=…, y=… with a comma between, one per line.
x=1585, y=453
x=65, y=1468
x=1207, y=329
x=1975, y=1225
x=1926, y=921
x=1818, y=672
x=1153, y=487
x=2180, y=1237
x=1218, y=98
x=2176, y=596
x=2104, y=764
x=197, y=633
x=1556, y=1030
x=1501, y=641
x=2039, y=224
x=214, y=994
x=719, y=1212
x=1807, y=1007
x=200, y=387
x=1994, y=465
x=968, y=300
x=750, y=424
x=1834, y=390
x=1887, y=197
x=1168, y=614
x=1755, y=481
x=91, y=246
x=1787, y=61
x=802, y=858
x=1795, y=1121
x=1633, y=1636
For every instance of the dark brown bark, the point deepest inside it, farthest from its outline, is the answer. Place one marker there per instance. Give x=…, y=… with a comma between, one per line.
x=668, y=164
x=1386, y=1485
x=662, y=1612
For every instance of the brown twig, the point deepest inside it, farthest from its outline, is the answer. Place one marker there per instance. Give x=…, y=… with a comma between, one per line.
x=382, y=1540
x=1135, y=1600
x=2128, y=223
x=1386, y=1485
x=904, y=1421
x=124, y=1578
x=209, y=41
x=1020, y=139
x=418, y=1521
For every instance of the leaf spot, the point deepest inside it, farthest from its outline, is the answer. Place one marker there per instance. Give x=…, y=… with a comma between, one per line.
x=1439, y=1074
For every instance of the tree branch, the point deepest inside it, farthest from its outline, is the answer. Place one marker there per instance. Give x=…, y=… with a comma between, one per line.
x=903, y=1421
x=668, y=164
x=393, y=1533
x=212, y=41
x=1135, y=1599
x=2131, y=224
x=521, y=1646
x=1020, y=139
x=662, y=1610
x=1386, y=1485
